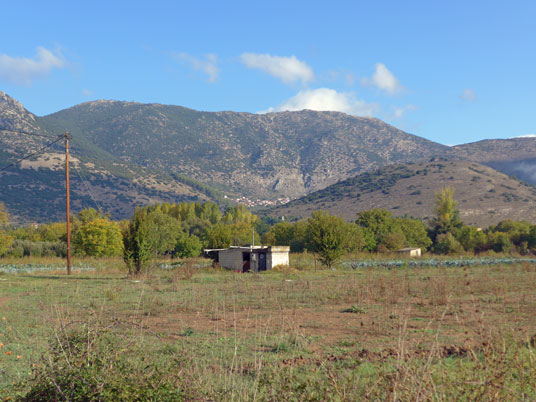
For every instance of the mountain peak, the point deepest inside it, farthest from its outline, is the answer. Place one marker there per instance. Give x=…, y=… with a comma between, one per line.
x=13, y=115
x=8, y=103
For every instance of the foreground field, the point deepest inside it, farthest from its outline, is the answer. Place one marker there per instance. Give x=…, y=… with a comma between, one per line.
x=463, y=333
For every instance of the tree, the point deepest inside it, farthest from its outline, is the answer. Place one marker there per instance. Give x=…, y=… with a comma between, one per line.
x=98, y=237
x=447, y=216
x=5, y=239
x=188, y=246
x=4, y=216
x=328, y=236
x=414, y=232
x=392, y=241
x=376, y=224
x=150, y=233
x=239, y=214
x=472, y=239
x=356, y=239
x=281, y=234
x=518, y=233
x=499, y=242
x=218, y=236
x=53, y=232
x=446, y=243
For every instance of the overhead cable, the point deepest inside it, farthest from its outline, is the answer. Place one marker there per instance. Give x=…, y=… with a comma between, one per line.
x=33, y=154
x=25, y=132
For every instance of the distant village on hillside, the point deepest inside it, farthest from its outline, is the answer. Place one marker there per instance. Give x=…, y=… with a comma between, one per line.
x=259, y=203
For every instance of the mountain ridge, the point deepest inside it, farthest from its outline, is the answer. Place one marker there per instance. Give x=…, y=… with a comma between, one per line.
x=196, y=155
x=484, y=195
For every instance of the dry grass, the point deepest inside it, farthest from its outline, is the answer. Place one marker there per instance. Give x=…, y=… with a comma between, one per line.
x=407, y=334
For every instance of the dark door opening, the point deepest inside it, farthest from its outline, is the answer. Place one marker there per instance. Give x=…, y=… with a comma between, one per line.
x=262, y=261
x=246, y=262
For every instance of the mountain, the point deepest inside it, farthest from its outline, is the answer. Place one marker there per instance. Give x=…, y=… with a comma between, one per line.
x=484, y=195
x=514, y=156
x=284, y=154
x=34, y=190
x=127, y=154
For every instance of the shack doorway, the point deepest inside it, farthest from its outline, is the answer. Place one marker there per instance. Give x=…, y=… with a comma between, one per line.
x=246, y=265
x=262, y=261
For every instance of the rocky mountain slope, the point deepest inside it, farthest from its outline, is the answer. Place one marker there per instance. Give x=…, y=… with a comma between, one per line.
x=285, y=154
x=513, y=156
x=484, y=195
x=34, y=189
x=131, y=153
x=127, y=154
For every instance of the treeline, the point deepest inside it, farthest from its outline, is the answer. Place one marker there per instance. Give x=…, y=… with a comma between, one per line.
x=184, y=229
x=177, y=230
x=378, y=231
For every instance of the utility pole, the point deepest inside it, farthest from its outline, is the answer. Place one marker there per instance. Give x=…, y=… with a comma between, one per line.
x=68, y=203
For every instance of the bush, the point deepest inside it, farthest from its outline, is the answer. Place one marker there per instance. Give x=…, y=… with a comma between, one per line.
x=27, y=248
x=85, y=365
x=188, y=246
x=447, y=244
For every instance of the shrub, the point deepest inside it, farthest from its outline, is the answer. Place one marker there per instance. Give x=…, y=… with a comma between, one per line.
x=447, y=244
x=85, y=365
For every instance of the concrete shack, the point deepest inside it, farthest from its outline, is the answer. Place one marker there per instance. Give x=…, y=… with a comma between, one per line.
x=250, y=258
x=410, y=252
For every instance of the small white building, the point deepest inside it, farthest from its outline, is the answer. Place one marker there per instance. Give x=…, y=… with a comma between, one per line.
x=410, y=251
x=250, y=258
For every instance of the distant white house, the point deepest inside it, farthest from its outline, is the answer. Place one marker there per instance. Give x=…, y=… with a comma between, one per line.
x=250, y=258
x=410, y=251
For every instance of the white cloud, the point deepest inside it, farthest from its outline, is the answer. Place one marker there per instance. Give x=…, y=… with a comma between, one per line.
x=325, y=99
x=400, y=111
x=287, y=69
x=384, y=79
x=525, y=136
x=208, y=65
x=468, y=95
x=22, y=70
x=87, y=92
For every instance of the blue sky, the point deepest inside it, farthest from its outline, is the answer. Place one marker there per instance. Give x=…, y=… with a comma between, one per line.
x=452, y=72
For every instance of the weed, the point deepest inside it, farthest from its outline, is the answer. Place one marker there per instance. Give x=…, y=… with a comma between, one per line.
x=355, y=310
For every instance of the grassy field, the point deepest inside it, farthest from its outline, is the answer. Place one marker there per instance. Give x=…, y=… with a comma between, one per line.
x=457, y=333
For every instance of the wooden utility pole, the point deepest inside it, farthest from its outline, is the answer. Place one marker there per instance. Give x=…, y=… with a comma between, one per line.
x=68, y=203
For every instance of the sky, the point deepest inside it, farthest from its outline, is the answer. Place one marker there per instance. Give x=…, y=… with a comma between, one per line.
x=449, y=71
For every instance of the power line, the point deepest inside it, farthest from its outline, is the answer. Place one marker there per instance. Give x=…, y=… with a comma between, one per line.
x=84, y=181
x=32, y=154
x=24, y=132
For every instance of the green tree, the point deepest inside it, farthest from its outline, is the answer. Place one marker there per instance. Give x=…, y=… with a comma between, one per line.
x=218, y=236
x=517, y=231
x=328, y=236
x=53, y=232
x=281, y=234
x=98, y=237
x=447, y=216
x=472, y=239
x=376, y=224
x=446, y=243
x=532, y=237
x=4, y=215
x=239, y=214
x=188, y=245
x=499, y=242
x=5, y=239
x=288, y=234
x=149, y=234
x=394, y=240
x=414, y=232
